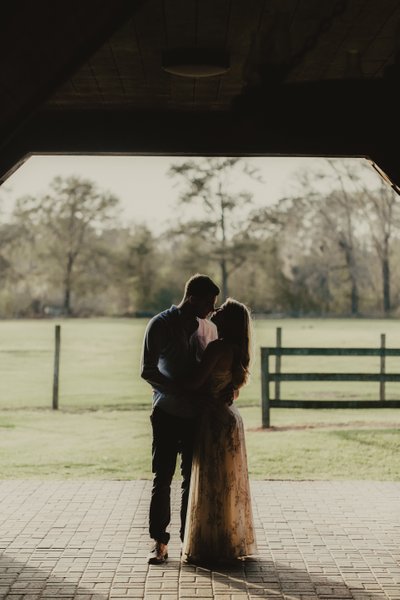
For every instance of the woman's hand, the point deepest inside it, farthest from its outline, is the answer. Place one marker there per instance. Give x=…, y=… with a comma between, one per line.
x=228, y=394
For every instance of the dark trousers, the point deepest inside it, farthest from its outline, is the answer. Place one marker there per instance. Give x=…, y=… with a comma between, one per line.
x=171, y=436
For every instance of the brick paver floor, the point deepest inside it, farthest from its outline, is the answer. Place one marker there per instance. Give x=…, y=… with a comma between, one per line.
x=88, y=540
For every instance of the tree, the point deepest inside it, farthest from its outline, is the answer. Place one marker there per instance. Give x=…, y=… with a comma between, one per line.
x=367, y=206
x=139, y=268
x=5, y=238
x=320, y=233
x=380, y=208
x=222, y=226
x=65, y=221
x=286, y=241
x=334, y=215
x=334, y=219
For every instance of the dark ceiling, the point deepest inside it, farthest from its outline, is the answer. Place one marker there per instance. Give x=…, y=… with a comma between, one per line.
x=306, y=77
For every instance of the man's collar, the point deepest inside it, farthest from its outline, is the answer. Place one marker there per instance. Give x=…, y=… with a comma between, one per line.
x=190, y=323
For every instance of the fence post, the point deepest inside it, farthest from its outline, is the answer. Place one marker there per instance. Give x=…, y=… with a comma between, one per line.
x=278, y=362
x=383, y=369
x=265, y=387
x=56, y=366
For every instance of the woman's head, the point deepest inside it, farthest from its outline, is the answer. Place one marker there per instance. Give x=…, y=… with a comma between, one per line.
x=234, y=325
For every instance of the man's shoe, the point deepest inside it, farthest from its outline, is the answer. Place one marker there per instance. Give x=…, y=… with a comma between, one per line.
x=159, y=554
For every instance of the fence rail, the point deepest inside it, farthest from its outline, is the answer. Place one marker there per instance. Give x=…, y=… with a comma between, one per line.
x=268, y=377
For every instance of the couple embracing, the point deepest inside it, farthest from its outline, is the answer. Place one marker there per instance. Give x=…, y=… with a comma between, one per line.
x=196, y=367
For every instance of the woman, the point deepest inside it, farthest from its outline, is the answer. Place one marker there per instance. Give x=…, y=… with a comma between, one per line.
x=219, y=524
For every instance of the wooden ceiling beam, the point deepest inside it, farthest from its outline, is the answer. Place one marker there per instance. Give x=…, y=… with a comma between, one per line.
x=348, y=119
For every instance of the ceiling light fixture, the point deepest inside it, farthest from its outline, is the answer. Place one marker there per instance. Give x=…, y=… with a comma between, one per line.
x=195, y=62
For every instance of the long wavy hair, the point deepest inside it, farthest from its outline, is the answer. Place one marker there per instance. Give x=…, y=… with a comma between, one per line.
x=237, y=330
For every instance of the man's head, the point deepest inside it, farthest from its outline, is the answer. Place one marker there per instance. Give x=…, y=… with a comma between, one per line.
x=200, y=294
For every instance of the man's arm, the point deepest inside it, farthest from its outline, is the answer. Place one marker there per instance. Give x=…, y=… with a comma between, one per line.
x=154, y=342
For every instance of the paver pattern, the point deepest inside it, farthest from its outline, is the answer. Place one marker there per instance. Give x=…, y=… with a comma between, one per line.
x=88, y=540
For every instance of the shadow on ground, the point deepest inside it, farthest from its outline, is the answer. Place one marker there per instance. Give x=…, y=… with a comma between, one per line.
x=257, y=578
x=36, y=579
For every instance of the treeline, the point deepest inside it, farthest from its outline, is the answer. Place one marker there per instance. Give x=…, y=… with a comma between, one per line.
x=331, y=248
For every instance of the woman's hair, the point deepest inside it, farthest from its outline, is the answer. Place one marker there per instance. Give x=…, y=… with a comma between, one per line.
x=238, y=332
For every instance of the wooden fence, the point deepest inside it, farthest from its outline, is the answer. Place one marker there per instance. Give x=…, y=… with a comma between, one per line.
x=268, y=377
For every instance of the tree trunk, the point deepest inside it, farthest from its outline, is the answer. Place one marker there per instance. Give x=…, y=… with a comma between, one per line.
x=67, y=301
x=224, y=279
x=386, y=284
x=354, y=295
x=67, y=286
x=224, y=268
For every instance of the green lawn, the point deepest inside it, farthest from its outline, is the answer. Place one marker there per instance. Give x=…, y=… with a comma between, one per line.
x=102, y=429
x=99, y=363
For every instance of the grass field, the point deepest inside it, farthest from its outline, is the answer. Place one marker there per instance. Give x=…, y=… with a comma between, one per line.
x=102, y=428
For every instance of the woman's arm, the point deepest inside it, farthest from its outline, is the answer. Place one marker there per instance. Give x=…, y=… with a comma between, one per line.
x=212, y=354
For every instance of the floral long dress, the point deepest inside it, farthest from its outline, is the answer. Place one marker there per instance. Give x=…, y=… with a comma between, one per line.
x=219, y=525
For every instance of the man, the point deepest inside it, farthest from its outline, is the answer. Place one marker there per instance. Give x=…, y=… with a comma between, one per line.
x=172, y=342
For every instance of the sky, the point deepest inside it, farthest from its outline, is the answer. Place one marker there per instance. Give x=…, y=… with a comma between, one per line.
x=146, y=193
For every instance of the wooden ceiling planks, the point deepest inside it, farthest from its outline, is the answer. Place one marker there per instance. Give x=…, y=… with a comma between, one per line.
x=63, y=97
x=128, y=62
x=271, y=46
x=384, y=45
x=180, y=17
x=311, y=65
x=306, y=27
x=361, y=33
x=206, y=94
x=149, y=22
x=44, y=44
x=315, y=63
x=244, y=24
x=213, y=19
x=127, y=70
